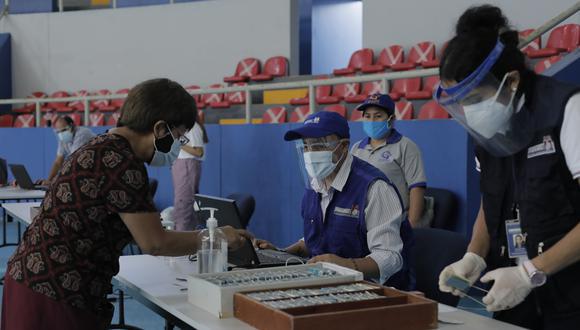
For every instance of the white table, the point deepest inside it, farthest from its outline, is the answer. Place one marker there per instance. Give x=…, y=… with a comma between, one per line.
x=16, y=195
x=151, y=281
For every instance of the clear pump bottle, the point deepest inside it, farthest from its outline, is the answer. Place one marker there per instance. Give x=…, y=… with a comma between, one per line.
x=212, y=256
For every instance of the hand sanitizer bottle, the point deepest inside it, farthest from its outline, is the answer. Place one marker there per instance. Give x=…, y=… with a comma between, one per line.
x=212, y=256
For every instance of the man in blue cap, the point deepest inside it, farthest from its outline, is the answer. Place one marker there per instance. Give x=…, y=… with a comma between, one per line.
x=353, y=215
x=397, y=156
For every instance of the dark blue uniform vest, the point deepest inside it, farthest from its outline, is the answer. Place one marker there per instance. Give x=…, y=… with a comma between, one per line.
x=548, y=197
x=344, y=230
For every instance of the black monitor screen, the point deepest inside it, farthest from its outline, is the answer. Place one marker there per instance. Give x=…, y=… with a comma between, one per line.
x=227, y=213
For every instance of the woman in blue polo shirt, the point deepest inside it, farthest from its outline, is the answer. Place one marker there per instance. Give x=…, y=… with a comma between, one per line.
x=395, y=155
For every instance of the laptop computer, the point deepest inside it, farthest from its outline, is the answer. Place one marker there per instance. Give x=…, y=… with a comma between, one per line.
x=3, y=172
x=21, y=175
x=246, y=256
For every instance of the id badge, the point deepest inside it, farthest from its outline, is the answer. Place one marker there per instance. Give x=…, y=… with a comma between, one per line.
x=516, y=241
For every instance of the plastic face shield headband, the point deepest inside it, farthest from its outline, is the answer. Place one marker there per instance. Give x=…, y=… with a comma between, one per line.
x=454, y=94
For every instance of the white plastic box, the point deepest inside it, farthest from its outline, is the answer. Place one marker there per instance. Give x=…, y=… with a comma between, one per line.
x=219, y=300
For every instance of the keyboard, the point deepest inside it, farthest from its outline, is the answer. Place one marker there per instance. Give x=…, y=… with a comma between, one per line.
x=277, y=257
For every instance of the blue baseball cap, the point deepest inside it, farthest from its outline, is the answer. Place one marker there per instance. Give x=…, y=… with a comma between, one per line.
x=320, y=124
x=378, y=100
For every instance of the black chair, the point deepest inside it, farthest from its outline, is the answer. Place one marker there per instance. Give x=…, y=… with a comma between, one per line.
x=445, y=208
x=434, y=250
x=246, y=205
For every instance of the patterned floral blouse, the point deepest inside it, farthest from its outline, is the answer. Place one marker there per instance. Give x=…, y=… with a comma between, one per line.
x=70, y=251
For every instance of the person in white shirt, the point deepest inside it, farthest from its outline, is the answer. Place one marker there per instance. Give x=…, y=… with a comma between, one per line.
x=186, y=172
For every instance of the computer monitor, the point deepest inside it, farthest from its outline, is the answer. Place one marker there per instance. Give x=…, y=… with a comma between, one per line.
x=3, y=172
x=227, y=212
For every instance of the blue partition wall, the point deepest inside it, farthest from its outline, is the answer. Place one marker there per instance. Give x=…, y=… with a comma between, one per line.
x=5, y=70
x=30, y=6
x=255, y=159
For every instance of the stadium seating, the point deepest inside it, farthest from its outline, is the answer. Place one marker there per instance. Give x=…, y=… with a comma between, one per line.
x=6, y=120
x=24, y=120
x=118, y=103
x=96, y=119
x=356, y=115
x=426, y=92
x=369, y=88
x=535, y=45
x=58, y=106
x=564, y=38
x=432, y=110
x=274, y=115
x=544, y=64
x=299, y=114
x=340, y=92
x=357, y=60
x=79, y=105
x=404, y=110
x=321, y=92
x=387, y=58
x=403, y=86
x=338, y=108
x=276, y=66
x=245, y=69
x=422, y=54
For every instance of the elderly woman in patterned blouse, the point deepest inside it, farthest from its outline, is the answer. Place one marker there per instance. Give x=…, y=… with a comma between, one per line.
x=61, y=272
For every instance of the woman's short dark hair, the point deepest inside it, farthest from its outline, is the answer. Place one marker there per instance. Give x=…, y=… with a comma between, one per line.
x=477, y=32
x=154, y=100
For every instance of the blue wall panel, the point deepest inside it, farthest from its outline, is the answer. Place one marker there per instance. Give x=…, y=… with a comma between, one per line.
x=255, y=159
x=31, y=6
x=5, y=70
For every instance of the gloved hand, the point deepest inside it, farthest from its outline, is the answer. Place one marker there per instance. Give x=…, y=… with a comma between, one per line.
x=511, y=286
x=469, y=267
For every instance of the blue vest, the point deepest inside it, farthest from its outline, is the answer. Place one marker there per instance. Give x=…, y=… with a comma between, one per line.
x=344, y=231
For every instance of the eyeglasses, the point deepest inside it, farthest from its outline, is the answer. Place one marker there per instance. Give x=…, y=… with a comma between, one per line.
x=56, y=131
x=318, y=146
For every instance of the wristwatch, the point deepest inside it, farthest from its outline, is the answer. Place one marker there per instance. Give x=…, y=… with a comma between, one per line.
x=537, y=277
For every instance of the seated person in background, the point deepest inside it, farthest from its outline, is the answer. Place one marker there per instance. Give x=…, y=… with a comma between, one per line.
x=352, y=213
x=70, y=138
x=395, y=155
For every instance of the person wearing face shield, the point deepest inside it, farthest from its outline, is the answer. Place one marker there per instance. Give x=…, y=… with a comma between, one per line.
x=525, y=129
x=70, y=138
x=99, y=202
x=352, y=213
x=394, y=154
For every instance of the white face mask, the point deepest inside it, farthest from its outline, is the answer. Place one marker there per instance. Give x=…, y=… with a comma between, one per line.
x=319, y=164
x=490, y=117
x=65, y=136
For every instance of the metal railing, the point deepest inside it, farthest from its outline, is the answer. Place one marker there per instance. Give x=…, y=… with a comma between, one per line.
x=310, y=84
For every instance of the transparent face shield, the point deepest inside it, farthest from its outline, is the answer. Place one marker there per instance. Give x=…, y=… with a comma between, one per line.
x=317, y=160
x=488, y=108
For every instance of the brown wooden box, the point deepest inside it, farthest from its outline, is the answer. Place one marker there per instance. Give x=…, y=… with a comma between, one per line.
x=397, y=310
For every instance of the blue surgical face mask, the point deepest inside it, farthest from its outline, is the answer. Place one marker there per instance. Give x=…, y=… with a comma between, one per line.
x=376, y=130
x=161, y=159
x=319, y=164
x=65, y=136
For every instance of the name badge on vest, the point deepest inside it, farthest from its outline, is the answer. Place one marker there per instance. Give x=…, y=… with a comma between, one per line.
x=352, y=212
x=516, y=241
x=545, y=148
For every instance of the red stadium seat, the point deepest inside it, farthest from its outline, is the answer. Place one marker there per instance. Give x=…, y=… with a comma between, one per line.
x=79, y=105
x=59, y=106
x=299, y=114
x=25, y=120
x=113, y=119
x=236, y=97
x=404, y=110
x=535, y=45
x=340, y=92
x=426, y=92
x=214, y=97
x=48, y=117
x=6, y=120
x=544, y=64
x=403, y=86
x=321, y=92
x=245, y=69
x=356, y=115
x=369, y=88
x=274, y=115
x=358, y=59
x=77, y=118
x=432, y=110
x=338, y=108
x=118, y=103
x=422, y=53
x=388, y=57
x=564, y=38
x=96, y=119
x=103, y=105
x=276, y=66
x=31, y=107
